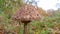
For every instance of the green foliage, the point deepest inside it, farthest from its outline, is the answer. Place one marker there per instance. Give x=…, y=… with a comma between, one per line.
x=44, y=32
x=9, y=6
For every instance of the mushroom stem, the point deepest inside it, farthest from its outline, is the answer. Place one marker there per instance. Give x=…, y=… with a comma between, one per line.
x=25, y=28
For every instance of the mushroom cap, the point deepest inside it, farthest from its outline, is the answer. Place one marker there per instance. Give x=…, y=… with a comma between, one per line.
x=26, y=13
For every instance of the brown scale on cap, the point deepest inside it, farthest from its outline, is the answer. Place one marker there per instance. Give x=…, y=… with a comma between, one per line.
x=26, y=14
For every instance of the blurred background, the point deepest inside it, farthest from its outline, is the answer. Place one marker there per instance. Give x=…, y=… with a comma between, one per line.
x=49, y=24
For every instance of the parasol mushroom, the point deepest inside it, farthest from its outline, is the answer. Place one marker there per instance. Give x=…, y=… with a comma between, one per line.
x=26, y=14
